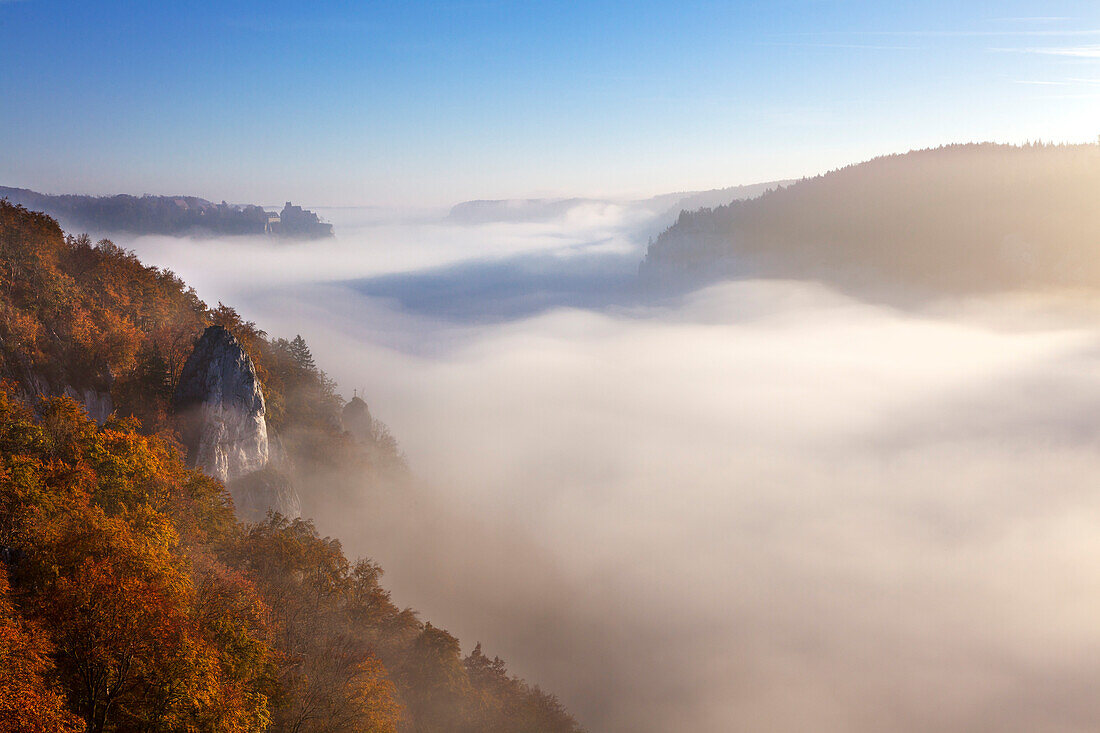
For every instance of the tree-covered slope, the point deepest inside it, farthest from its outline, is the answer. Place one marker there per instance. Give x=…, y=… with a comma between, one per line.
x=169, y=215
x=131, y=597
x=960, y=218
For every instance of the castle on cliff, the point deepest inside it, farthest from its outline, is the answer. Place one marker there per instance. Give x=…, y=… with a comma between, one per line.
x=294, y=221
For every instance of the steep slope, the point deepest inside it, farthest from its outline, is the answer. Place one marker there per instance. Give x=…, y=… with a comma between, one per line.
x=128, y=568
x=89, y=320
x=957, y=219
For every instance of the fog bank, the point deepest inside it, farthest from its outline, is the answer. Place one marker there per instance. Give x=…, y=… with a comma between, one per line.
x=764, y=506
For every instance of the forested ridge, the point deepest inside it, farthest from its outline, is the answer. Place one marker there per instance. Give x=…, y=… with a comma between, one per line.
x=132, y=598
x=169, y=215
x=954, y=219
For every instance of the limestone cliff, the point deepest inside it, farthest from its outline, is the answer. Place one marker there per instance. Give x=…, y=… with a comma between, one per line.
x=220, y=406
x=98, y=403
x=96, y=399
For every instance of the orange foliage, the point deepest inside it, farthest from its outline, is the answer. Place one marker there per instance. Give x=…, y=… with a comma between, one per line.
x=111, y=523
x=83, y=315
x=28, y=703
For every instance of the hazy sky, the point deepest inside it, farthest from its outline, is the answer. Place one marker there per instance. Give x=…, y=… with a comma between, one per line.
x=435, y=102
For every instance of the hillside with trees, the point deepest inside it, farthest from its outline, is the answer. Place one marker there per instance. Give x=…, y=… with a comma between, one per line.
x=950, y=220
x=132, y=597
x=170, y=215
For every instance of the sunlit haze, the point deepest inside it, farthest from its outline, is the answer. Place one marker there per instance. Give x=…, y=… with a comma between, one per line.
x=537, y=367
x=764, y=507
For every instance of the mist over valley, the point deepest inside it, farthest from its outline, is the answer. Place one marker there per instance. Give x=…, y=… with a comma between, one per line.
x=745, y=505
x=511, y=367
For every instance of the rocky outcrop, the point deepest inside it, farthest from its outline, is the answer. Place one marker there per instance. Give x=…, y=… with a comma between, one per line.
x=222, y=419
x=221, y=408
x=263, y=491
x=277, y=454
x=357, y=420
x=98, y=404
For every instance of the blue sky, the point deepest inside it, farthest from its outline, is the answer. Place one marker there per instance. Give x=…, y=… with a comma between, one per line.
x=435, y=102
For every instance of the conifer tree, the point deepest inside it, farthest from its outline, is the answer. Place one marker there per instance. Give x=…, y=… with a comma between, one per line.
x=302, y=356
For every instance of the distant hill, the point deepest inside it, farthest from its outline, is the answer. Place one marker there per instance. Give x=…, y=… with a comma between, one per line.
x=484, y=211
x=171, y=215
x=955, y=219
x=666, y=205
x=720, y=196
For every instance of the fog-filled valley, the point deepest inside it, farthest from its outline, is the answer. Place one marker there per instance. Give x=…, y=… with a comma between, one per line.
x=761, y=505
x=526, y=367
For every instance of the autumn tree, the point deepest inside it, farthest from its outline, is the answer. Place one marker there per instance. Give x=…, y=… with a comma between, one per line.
x=116, y=604
x=330, y=678
x=96, y=514
x=437, y=688
x=29, y=701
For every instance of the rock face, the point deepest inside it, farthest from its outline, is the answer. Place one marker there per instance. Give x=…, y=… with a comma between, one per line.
x=357, y=420
x=263, y=491
x=98, y=404
x=221, y=408
x=221, y=411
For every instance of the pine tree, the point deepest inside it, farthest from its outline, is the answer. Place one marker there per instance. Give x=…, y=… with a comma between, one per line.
x=301, y=354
